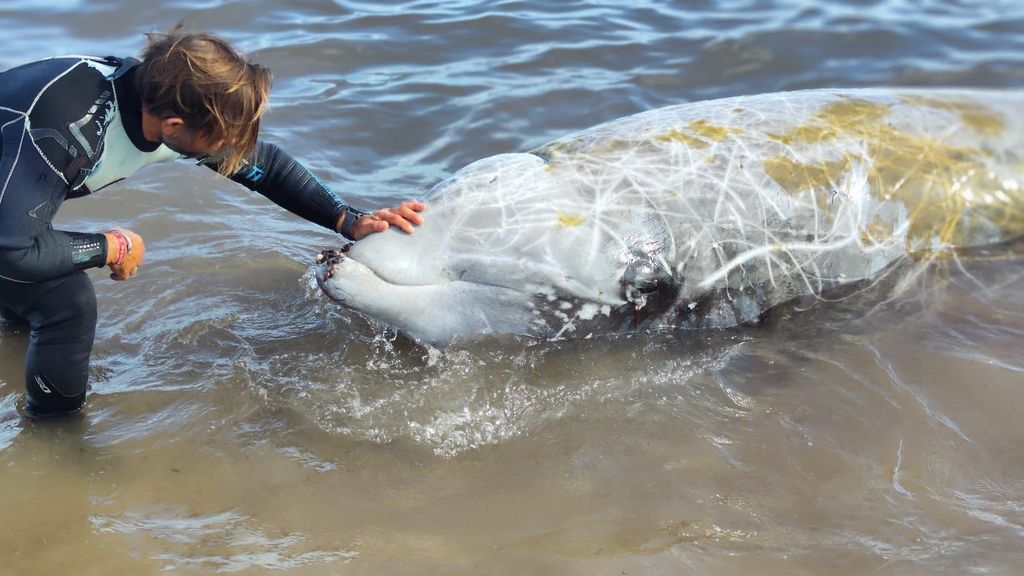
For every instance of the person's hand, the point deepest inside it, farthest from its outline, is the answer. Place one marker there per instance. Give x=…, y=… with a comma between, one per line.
x=403, y=217
x=132, y=258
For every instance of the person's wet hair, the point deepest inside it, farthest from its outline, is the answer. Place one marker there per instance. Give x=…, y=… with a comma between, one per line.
x=201, y=79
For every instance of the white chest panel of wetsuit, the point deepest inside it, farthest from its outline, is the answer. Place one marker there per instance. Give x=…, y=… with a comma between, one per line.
x=120, y=157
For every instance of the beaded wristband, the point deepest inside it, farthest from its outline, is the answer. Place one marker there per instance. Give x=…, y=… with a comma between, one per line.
x=124, y=246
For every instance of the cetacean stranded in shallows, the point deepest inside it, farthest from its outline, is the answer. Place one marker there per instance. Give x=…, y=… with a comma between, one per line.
x=698, y=215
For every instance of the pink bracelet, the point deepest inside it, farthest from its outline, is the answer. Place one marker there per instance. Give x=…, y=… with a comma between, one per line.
x=124, y=246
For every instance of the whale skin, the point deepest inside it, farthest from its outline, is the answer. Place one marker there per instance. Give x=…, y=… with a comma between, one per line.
x=700, y=215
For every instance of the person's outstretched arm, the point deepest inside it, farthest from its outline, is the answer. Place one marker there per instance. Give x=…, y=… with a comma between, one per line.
x=275, y=174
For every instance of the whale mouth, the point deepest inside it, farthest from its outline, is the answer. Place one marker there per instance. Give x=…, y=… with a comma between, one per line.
x=330, y=263
x=329, y=259
x=326, y=269
x=347, y=280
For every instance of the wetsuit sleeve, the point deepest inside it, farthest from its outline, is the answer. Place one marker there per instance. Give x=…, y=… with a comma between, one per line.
x=53, y=253
x=275, y=174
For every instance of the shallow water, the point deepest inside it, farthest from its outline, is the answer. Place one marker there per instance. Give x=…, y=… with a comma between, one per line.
x=240, y=423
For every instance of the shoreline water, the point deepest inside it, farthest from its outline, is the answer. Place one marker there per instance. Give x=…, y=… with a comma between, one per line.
x=240, y=423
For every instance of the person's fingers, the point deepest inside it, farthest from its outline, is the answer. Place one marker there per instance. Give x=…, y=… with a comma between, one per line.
x=396, y=220
x=402, y=224
x=406, y=211
x=123, y=272
x=403, y=217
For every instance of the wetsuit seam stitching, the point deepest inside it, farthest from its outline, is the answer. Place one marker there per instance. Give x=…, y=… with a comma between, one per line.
x=50, y=83
x=35, y=100
x=13, y=110
x=17, y=154
x=16, y=280
x=7, y=182
x=81, y=58
x=46, y=160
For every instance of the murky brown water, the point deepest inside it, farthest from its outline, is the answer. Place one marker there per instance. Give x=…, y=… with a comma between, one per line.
x=239, y=423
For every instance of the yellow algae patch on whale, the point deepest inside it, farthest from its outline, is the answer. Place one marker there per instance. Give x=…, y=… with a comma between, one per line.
x=926, y=174
x=701, y=134
x=928, y=177
x=846, y=117
x=712, y=132
x=677, y=136
x=807, y=134
x=975, y=116
x=566, y=220
x=796, y=177
x=577, y=148
x=853, y=115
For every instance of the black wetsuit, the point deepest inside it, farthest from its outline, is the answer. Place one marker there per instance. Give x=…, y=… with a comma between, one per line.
x=69, y=126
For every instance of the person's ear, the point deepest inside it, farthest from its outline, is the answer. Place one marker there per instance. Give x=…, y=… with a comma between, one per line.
x=171, y=125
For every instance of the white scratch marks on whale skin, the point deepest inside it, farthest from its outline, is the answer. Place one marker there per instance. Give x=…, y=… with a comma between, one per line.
x=702, y=215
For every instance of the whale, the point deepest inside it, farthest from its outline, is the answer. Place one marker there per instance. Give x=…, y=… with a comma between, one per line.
x=701, y=215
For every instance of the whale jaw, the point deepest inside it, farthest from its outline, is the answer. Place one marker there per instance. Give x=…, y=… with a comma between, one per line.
x=436, y=313
x=447, y=311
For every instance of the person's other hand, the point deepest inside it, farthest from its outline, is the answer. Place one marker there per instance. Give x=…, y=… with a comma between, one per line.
x=404, y=217
x=132, y=259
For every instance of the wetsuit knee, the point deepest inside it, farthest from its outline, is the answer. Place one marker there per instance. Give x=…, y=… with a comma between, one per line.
x=45, y=399
x=63, y=324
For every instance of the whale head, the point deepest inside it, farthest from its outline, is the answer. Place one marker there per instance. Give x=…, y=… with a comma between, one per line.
x=436, y=311
x=507, y=248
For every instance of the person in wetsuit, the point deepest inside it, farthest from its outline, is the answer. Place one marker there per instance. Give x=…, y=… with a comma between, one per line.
x=72, y=125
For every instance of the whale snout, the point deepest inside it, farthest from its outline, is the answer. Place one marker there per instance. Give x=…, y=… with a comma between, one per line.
x=326, y=267
x=328, y=259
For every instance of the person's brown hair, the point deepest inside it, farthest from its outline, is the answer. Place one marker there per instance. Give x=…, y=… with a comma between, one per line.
x=201, y=79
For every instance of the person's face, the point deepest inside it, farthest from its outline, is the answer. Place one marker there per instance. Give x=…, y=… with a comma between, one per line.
x=189, y=143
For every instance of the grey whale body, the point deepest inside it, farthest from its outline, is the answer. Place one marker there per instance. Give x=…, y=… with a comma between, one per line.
x=701, y=215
